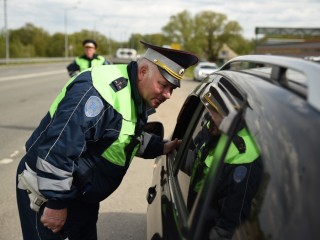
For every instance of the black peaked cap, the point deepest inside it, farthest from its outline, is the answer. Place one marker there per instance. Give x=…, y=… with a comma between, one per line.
x=171, y=62
x=183, y=58
x=89, y=41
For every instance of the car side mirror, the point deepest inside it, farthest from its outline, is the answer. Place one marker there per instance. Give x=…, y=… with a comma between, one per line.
x=155, y=128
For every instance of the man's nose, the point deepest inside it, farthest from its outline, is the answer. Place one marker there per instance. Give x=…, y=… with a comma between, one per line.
x=167, y=93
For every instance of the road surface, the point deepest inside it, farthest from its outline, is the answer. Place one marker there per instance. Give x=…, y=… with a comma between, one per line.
x=26, y=93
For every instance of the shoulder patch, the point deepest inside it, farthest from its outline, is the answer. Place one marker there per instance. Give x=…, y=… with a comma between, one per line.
x=119, y=83
x=93, y=106
x=239, y=173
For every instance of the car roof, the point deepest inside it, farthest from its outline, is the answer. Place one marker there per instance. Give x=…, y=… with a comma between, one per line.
x=207, y=64
x=280, y=64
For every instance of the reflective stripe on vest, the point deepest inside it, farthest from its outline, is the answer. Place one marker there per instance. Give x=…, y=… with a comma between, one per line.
x=84, y=63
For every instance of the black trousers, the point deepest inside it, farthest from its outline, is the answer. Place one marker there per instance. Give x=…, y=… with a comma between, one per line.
x=80, y=224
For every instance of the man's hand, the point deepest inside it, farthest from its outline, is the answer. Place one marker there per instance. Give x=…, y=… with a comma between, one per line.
x=171, y=145
x=54, y=219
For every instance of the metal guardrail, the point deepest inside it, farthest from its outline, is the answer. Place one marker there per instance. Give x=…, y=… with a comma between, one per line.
x=34, y=60
x=4, y=61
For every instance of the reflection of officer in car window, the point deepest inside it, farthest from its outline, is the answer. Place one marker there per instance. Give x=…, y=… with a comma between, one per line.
x=238, y=182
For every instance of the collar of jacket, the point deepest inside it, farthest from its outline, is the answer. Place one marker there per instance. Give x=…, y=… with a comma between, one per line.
x=95, y=56
x=132, y=69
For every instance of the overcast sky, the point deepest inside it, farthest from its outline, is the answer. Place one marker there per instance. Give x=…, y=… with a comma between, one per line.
x=118, y=19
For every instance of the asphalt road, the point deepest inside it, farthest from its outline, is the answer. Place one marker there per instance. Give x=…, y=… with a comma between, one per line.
x=26, y=93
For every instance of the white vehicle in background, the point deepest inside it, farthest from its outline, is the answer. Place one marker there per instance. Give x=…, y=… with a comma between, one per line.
x=126, y=53
x=203, y=69
x=313, y=59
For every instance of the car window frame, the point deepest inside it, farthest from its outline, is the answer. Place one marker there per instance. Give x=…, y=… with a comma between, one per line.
x=173, y=168
x=197, y=216
x=189, y=221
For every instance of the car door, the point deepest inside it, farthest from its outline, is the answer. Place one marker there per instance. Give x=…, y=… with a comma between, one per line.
x=192, y=219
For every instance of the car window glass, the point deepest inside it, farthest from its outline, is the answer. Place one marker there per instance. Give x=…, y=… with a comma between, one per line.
x=205, y=133
x=199, y=147
x=296, y=77
x=237, y=182
x=204, y=141
x=230, y=162
x=185, y=170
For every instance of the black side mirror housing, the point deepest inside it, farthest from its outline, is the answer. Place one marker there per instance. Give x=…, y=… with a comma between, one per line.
x=155, y=128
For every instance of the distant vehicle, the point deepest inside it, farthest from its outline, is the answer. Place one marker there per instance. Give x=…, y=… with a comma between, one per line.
x=313, y=59
x=203, y=69
x=276, y=101
x=126, y=53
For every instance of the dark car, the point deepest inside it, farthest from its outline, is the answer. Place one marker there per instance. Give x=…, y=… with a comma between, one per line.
x=258, y=177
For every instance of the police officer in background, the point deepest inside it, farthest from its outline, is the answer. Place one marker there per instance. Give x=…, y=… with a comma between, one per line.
x=82, y=148
x=89, y=59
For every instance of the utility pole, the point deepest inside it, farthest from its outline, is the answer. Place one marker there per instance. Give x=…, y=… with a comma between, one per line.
x=65, y=34
x=6, y=31
x=66, y=44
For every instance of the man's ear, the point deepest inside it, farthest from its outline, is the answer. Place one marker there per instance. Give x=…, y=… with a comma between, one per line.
x=142, y=71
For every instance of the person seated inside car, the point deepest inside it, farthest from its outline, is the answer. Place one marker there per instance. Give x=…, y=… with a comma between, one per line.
x=239, y=180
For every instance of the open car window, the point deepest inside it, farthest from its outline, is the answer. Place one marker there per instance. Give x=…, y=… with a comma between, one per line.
x=215, y=139
x=218, y=100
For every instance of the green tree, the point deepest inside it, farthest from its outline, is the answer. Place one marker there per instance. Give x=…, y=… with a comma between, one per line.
x=33, y=39
x=211, y=27
x=2, y=44
x=20, y=50
x=206, y=33
x=203, y=34
x=56, y=45
x=233, y=38
x=180, y=29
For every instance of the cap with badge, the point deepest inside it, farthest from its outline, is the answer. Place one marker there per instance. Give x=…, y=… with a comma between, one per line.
x=171, y=63
x=89, y=43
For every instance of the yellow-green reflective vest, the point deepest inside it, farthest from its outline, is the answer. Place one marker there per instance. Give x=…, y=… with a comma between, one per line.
x=84, y=63
x=233, y=156
x=122, y=103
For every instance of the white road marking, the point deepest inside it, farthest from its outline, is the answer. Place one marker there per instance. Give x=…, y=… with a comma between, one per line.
x=30, y=75
x=15, y=153
x=12, y=155
x=6, y=161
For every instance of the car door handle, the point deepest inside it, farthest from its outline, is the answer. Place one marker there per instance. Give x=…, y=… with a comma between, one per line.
x=152, y=192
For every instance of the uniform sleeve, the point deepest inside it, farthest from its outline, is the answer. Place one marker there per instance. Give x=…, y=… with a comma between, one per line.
x=71, y=126
x=73, y=68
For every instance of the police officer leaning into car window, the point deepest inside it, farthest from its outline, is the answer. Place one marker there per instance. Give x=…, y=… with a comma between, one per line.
x=81, y=150
x=88, y=59
x=240, y=178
